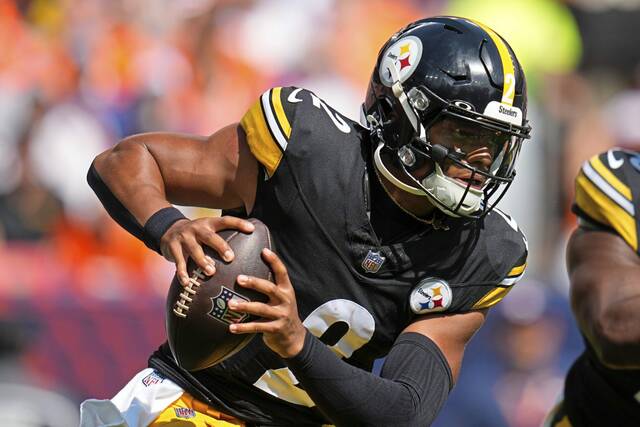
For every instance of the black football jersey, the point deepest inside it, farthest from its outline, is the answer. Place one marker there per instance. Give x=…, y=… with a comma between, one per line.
x=355, y=291
x=607, y=197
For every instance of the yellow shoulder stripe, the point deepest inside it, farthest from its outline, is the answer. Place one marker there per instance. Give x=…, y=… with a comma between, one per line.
x=492, y=298
x=516, y=271
x=601, y=208
x=502, y=289
x=261, y=143
x=279, y=109
x=509, y=77
x=268, y=129
x=610, y=177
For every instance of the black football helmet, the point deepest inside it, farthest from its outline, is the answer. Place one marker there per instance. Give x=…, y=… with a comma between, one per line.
x=445, y=68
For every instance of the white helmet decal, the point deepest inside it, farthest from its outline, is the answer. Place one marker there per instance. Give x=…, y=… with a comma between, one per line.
x=404, y=55
x=504, y=112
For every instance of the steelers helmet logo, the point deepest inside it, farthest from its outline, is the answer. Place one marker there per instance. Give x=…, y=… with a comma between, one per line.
x=430, y=295
x=400, y=59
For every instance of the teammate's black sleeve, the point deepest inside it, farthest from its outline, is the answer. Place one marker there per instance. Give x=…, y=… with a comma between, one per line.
x=414, y=383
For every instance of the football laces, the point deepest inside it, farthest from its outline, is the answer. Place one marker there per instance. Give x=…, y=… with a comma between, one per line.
x=181, y=306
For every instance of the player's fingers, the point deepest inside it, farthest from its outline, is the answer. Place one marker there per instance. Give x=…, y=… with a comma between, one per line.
x=252, y=327
x=196, y=253
x=253, y=307
x=277, y=266
x=175, y=249
x=210, y=238
x=234, y=223
x=261, y=285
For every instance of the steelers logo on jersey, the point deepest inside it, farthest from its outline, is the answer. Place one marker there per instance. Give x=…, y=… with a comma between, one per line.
x=430, y=295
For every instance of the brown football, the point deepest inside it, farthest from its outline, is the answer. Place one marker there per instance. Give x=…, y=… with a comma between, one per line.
x=197, y=316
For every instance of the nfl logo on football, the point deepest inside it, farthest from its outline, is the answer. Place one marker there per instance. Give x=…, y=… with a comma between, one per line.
x=220, y=307
x=372, y=262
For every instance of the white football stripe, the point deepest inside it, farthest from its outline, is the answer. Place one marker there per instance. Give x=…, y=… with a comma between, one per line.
x=607, y=189
x=271, y=120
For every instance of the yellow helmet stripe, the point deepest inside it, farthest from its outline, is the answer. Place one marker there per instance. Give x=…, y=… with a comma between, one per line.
x=509, y=79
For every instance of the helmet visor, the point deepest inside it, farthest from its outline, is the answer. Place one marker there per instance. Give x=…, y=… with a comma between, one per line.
x=477, y=155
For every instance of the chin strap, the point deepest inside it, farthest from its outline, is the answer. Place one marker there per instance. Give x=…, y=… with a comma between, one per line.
x=387, y=174
x=444, y=192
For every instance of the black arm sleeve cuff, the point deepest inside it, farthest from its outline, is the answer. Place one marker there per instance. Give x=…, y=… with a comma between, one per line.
x=158, y=224
x=112, y=205
x=155, y=226
x=414, y=383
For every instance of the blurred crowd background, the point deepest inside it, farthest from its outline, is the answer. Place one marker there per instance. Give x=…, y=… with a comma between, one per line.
x=82, y=303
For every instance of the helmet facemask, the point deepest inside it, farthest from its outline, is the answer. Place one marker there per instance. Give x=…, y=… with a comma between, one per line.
x=482, y=187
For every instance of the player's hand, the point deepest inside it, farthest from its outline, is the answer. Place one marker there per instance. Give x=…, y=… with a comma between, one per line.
x=281, y=327
x=184, y=239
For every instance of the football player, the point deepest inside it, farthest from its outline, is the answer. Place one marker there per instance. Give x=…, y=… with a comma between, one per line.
x=602, y=387
x=387, y=229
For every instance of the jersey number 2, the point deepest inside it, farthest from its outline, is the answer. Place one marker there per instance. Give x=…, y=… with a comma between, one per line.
x=318, y=103
x=281, y=382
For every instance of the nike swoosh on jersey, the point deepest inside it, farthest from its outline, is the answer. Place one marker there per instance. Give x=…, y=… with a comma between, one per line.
x=292, y=98
x=613, y=162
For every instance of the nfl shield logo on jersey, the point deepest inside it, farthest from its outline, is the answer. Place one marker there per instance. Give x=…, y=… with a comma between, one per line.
x=431, y=295
x=220, y=307
x=185, y=412
x=152, y=378
x=372, y=262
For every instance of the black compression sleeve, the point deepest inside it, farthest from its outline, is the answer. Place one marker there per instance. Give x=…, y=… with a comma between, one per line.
x=156, y=225
x=112, y=205
x=414, y=383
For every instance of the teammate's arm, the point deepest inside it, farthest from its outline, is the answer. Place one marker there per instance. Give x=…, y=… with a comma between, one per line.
x=605, y=295
x=416, y=377
x=148, y=172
